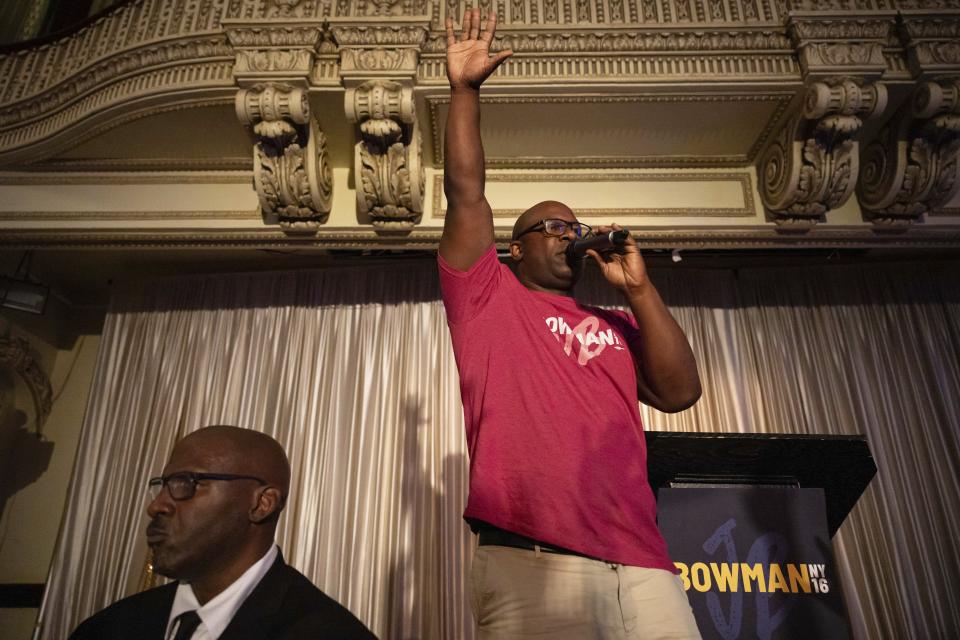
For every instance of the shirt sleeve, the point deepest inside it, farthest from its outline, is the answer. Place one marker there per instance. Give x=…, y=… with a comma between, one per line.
x=466, y=293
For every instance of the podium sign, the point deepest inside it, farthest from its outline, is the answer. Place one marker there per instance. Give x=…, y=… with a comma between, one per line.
x=756, y=561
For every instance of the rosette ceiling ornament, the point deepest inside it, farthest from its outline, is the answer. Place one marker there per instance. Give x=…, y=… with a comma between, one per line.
x=912, y=166
x=811, y=166
x=291, y=172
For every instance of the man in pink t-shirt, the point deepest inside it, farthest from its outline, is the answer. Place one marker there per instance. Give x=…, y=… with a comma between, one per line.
x=568, y=542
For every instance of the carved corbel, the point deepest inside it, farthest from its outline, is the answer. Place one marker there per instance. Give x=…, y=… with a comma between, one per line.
x=912, y=166
x=378, y=68
x=291, y=169
x=387, y=161
x=811, y=166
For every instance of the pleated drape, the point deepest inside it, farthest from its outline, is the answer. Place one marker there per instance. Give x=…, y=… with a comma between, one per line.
x=351, y=369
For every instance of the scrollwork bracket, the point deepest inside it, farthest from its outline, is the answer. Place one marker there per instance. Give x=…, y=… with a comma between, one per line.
x=811, y=166
x=912, y=166
x=291, y=173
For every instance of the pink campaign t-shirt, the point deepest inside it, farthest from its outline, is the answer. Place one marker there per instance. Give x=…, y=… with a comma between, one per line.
x=549, y=393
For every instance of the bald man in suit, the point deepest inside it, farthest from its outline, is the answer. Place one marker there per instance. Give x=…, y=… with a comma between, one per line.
x=213, y=518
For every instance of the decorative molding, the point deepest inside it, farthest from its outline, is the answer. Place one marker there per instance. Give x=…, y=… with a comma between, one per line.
x=157, y=177
x=631, y=41
x=273, y=51
x=361, y=60
x=912, y=167
x=812, y=165
x=743, y=178
x=86, y=216
x=356, y=32
x=428, y=239
x=134, y=165
x=612, y=13
x=291, y=169
x=127, y=92
x=781, y=99
x=18, y=356
x=387, y=161
x=932, y=42
x=841, y=44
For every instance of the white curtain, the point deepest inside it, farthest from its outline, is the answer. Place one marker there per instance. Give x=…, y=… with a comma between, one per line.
x=351, y=370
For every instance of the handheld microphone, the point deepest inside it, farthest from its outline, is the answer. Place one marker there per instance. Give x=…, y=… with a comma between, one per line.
x=604, y=242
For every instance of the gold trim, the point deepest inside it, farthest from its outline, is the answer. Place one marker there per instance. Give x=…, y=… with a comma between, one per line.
x=743, y=178
x=782, y=100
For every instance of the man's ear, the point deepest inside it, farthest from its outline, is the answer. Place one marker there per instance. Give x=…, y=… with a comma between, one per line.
x=268, y=506
x=516, y=251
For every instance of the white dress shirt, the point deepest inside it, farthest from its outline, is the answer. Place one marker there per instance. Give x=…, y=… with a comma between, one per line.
x=217, y=614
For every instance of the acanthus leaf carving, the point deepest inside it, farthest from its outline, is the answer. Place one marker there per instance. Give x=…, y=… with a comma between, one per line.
x=912, y=166
x=812, y=164
x=387, y=160
x=841, y=45
x=291, y=174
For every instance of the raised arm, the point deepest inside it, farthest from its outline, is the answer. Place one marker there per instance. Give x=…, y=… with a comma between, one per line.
x=468, y=226
x=667, y=376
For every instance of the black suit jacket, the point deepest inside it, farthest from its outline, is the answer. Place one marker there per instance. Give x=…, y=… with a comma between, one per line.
x=283, y=606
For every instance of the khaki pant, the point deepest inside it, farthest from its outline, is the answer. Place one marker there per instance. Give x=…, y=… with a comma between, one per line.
x=518, y=594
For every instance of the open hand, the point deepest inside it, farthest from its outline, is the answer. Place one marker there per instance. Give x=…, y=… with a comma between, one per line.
x=623, y=268
x=468, y=61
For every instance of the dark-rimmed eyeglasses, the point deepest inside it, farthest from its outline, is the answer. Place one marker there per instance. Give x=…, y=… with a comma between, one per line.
x=183, y=485
x=558, y=227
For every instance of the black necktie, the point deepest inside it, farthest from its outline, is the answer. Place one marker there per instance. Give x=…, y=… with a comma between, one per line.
x=188, y=623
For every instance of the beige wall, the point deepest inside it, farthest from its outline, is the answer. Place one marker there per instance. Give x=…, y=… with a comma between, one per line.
x=31, y=516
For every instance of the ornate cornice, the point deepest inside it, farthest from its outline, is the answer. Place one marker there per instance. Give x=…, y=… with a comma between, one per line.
x=78, y=216
x=140, y=177
x=706, y=238
x=118, y=102
x=164, y=50
x=932, y=42
x=620, y=41
x=841, y=44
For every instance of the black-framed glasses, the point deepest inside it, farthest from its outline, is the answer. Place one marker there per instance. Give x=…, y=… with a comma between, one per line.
x=558, y=227
x=183, y=485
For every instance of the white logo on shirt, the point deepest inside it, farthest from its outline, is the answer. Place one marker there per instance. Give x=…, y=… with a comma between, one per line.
x=590, y=340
